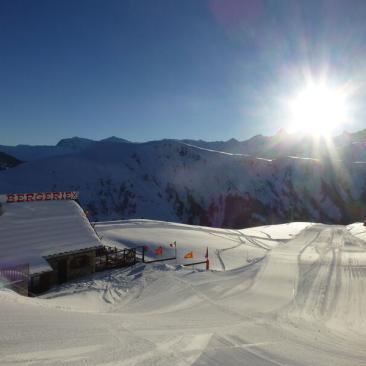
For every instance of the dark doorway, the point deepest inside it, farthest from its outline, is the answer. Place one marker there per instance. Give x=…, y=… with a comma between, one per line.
x=62, y=270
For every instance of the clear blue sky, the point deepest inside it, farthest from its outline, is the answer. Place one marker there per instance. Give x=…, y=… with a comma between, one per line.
x=149, y=69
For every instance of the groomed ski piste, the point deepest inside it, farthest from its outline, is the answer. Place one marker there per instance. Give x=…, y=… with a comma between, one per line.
x=291, y=294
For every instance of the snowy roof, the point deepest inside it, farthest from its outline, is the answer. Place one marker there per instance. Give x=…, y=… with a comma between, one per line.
x=31, y=230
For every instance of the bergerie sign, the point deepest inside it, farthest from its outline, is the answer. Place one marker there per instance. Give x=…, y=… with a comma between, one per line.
x=39, y=196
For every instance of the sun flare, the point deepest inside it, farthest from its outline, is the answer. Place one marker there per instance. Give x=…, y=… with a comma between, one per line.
x=318, y=109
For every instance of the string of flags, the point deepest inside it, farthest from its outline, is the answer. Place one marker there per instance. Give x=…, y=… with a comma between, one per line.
x=188, y=255
x=159, y=251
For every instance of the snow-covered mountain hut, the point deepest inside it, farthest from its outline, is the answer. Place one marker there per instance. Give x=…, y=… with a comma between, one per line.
x=49, y=234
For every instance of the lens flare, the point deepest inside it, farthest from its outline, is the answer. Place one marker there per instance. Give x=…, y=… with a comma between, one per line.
x=318, y=109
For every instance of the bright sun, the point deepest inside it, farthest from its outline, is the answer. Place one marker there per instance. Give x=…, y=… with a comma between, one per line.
x=318, y=109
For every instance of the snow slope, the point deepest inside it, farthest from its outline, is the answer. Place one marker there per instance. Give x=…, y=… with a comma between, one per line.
x=31, y=230
x=228, y=249
x=303, y=304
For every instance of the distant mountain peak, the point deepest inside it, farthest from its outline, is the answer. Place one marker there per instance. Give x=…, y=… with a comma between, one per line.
x=232, y=140
x=282, y=132
x=75, y=143
x=114, y=139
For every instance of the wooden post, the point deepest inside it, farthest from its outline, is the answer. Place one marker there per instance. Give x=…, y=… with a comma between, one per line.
x=207, y=264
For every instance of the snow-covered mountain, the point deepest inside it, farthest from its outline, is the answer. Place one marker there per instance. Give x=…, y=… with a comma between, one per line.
x=75, y=143
x=175, y=181
x=8, y=161
x=347, y=146
x=36, y=152
x=63, y=147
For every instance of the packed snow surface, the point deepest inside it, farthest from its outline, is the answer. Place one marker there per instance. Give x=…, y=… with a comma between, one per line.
x=227, y=248
x=288, y=295
x=357, y=229
x=31, y=230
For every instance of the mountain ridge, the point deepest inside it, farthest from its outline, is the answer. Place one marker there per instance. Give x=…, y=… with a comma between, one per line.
x=349, y=146
x=173, y=181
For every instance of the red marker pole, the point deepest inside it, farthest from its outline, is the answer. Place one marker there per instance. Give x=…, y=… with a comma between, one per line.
x=175, y=252
x=207, y=260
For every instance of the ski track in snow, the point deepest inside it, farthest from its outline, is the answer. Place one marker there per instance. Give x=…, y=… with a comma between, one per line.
x=300, y=301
